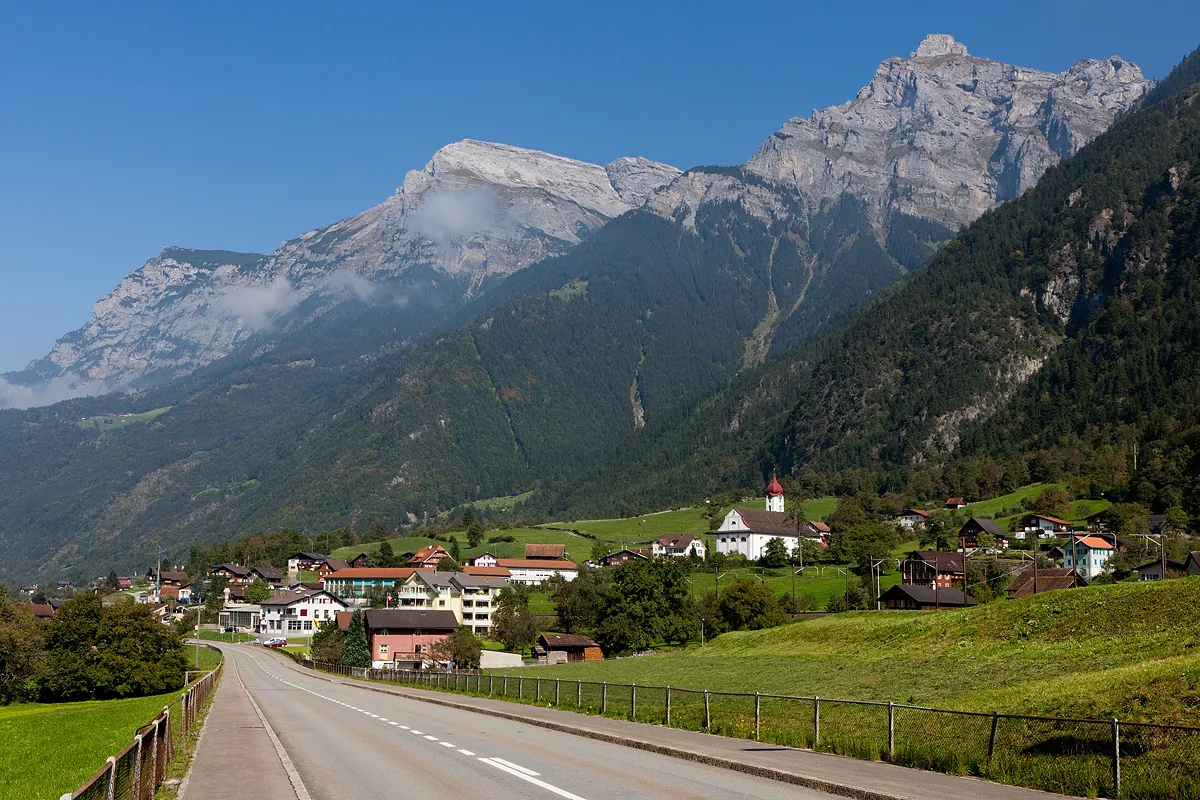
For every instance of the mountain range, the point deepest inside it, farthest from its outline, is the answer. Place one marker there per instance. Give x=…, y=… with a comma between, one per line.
x=511, y=319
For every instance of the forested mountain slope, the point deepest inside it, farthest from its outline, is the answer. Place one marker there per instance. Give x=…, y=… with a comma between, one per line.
x=1058, y=332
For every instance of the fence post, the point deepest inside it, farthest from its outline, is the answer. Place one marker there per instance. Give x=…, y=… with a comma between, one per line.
x=757, y=717
x=668, y=722
x=707, y=715
x=603, y=697
x=538, y=690
x=505, y=689
x=154, y=751
x=521, y=687
x=992, y=738
x=170, y=752
x=557, y=681
x=111, y=792
x=137, y=768
x=183, y=706
x=491, y=684
x=633, y=701
x=579, y=694
x=891, y=731
x=1116, y=758
x=816, y=721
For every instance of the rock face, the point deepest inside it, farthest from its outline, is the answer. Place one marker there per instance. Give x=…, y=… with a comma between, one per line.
x=945, y=135
x=476, y=211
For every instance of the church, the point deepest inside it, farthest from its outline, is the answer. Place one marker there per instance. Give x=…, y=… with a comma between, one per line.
x=747, y=530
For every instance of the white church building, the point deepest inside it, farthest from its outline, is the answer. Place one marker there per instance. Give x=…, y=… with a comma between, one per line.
x=747, y=530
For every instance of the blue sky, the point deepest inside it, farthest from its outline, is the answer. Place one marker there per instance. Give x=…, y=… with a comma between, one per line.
x=129, y=126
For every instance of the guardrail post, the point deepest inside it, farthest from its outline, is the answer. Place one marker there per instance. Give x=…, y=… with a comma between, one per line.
x=633, y=701
x=538, y=690
x=111, y=791
x=504, y=692
x=603, y=697
x=992, y=737
x=1116, y=758
x=579, y=694
x=668, y=722
x=556, y=691
x=891, y=731
x=137, y=768
x=816, y=721
x=757, y=717
x=707, y=713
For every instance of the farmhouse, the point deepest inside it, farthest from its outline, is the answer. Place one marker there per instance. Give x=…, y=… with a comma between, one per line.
x=234, y=574
x=539, y=552
x=975, y=529
x=482, y=560
x=1029, y=581
x=922, y=566
x=678, y=545
x=911, y=518
x=429, y=556
x=305, y=562
x=924, y=598
x=1043, y=526
x=563, y=648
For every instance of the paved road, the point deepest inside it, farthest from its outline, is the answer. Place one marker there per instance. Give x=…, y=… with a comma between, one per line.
x=347, y=742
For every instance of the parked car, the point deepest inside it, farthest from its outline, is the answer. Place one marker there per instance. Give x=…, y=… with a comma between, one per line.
x=275, y=641
x=229, y=629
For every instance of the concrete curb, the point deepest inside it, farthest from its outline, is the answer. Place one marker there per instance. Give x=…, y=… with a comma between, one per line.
x=776, y=774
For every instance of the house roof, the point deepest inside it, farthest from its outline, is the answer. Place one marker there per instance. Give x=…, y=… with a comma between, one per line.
x=1047, y=580
x=469, y=581
x=335, y=564
x=553, y=640
x=988, y=525
x=769, y=523
x=41, y=610
x=172, y=575
x=920, y=512
x=289, y=598
x=411, y=618
x=1048, y=518
x=545, y=550
x=428, y=553
x=534, y=563
x=478, y=556
x=945, y=562
x=269, y=573
x=955, y=501
x=678, y=539
x=372, y=573
x=236, y=569
x=632, y=554
x=303, y=556
x=927, y=595
x=1094, y=542
x=499, y=572
x=820, y=526
x=1171, y=564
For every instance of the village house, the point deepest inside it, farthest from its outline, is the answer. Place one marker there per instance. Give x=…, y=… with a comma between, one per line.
x=124, y=583
x=1030, y=581
x=492, y=572
x=40, y=611
x=304, y=562
x=234, y=574
x=298, y=612
x=1087, y=554
x=482, y=560
x=977, y=527
x=678, y=545
x=354, y=582
x=359, y=560
x=267, y=573
x=565, y=648
x=1153, y=570
x=402, y=638
x=924, y=598
x=1043, y=526
x=470, y=597
x=747, y=530
x=910, y=518
x=328, y=566
x=428, y=557
x=243, y=616
x=955, y=503
x=534, y=571
x=549, y=552
x=185, y=594
x=1192, y=564
x=624, y=556
x=923, y=566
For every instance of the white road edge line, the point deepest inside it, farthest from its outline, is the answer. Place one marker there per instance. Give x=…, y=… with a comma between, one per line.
x=288, y=766
x=445, y=744
x=466, y=752
x=535, y=781
x=507, y=763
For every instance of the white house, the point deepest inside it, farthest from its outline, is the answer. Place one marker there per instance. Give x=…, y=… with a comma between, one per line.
x=1043, y=526
x=298, y=612
x=910, y=518
x=747, y=530
x=482, y=560
x=678, y=545
x=1087, y=555
x=534, y=571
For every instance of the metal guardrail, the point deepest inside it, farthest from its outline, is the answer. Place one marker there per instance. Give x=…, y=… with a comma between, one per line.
x=137, y=771
x=1082, y=757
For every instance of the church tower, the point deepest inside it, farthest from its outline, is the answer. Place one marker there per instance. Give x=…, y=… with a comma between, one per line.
x=774, y=495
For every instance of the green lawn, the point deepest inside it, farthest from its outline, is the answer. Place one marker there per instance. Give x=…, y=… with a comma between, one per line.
x=49, y=749
x=819, y=583
x=210, y=635
x=208, y=658
x=109, y=422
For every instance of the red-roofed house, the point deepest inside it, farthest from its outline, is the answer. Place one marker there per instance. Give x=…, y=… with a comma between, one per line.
x=911, y=517
x=428, y=556
x=678, y=545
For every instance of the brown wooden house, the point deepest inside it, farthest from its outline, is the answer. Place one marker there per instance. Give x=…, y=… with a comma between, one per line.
x=573, y=646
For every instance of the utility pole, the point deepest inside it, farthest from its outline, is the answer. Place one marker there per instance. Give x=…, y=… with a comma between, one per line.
x=158, y=577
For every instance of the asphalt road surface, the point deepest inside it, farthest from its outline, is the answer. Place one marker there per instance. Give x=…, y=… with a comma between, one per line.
x=347, y=742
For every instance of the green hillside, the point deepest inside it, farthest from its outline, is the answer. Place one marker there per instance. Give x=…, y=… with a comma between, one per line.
x=1123, y=650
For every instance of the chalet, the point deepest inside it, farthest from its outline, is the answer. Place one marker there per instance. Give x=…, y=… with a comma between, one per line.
x=1153, y=570
x=268, y=574
x=360, y=582
x=124, y=583
x=41, y=611
x=329, y=566
x=298, y=612
x=976, y=527
x=624, y=556
x=955, y=503
x=1106, y=521
x=533, y=572
x=1030, y=581
x=563, y=648
x=1043, y=526
x=550, y=552
x=185, y=594
x=234, y=574
x=402, y=638
x=817, y=531
x=428, y=557
x=482, y=560
x=925, y=598
x=747, y=530
x=359, y=561
x=678, y=545
x=922, y=566
x=1087, y=554
x=305, y=562
x=911, y=518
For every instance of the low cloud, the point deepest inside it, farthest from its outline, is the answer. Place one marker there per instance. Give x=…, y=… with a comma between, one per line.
x=258, y=306
x=47, y=393
x=345, y=282
x=449, y=215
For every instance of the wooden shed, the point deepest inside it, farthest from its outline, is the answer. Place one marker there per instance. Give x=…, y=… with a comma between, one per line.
x=573, y=646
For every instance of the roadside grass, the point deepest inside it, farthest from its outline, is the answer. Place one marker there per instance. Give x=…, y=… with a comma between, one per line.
x=1104, y=651
x=820, y=586
x=47, y=749
x=209, y=635
x=204, y=657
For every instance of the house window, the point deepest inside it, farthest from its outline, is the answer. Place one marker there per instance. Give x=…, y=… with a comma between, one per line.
x=308, y=624
x=293, y=624
x=383, y=649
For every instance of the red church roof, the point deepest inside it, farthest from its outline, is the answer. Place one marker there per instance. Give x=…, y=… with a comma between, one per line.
x=773, y=488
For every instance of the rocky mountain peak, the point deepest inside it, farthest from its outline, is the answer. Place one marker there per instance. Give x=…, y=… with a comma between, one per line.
x=936, y=45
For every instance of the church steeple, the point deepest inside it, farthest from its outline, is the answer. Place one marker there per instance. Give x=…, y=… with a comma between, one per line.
x=774, y=494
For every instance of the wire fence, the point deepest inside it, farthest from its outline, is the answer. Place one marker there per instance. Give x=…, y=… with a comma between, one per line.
x=137, y=771
x=1081, y=757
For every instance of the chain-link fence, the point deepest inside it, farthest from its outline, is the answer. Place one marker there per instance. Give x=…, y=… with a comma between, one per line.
x=1082, y=757
x=137, y=771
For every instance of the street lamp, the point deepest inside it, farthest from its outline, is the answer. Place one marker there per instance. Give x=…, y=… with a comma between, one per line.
x=702, y=631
